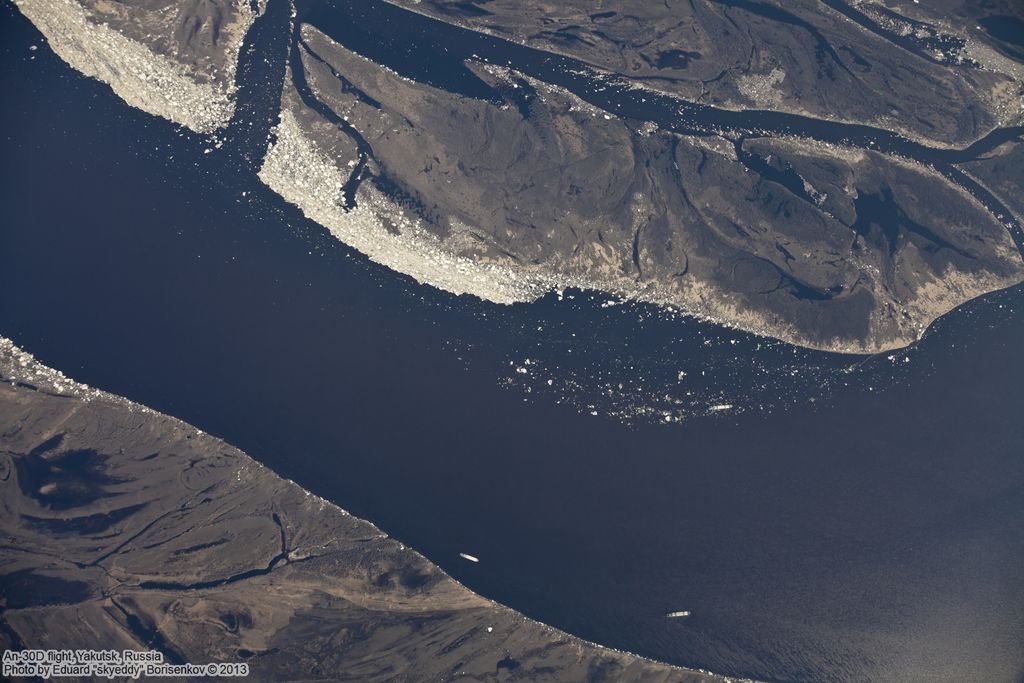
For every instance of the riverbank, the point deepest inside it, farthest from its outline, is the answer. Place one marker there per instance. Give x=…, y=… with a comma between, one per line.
x=134, y=530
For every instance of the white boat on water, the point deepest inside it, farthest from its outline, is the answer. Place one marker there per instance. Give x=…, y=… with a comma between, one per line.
x=678, y=615
x=469, y=557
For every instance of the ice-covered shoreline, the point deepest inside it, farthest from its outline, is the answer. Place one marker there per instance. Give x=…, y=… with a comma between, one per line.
x=143, y=78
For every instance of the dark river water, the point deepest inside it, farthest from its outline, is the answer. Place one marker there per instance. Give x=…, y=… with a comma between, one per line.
x=846, y=519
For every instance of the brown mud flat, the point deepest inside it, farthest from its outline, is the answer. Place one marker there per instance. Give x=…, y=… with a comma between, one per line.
x=829, y=245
